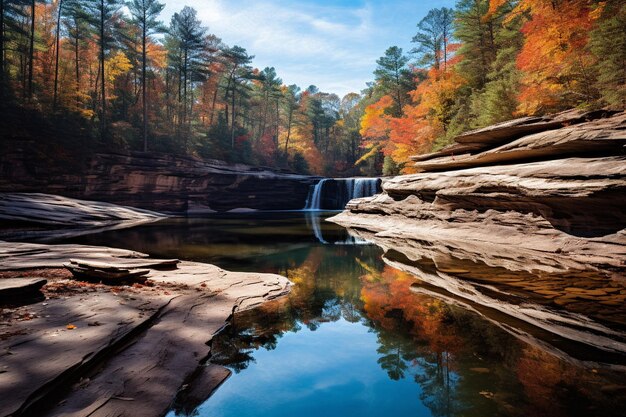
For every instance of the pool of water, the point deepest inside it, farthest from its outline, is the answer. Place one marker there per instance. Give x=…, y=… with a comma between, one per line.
x=358, y=337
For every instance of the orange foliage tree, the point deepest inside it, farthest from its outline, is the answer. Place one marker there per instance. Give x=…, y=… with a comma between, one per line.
x=554, y=60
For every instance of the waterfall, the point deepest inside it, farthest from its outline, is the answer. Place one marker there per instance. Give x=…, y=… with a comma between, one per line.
x=334, y=193
x=363, y=187
x=314, y=199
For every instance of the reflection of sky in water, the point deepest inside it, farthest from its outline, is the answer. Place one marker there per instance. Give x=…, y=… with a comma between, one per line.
x=332, y=371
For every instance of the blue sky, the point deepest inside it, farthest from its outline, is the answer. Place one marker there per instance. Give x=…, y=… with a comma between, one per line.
x=331, y=44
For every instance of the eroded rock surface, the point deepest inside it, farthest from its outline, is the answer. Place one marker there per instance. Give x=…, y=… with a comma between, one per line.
x=37, y=215
x=159, y=182
x=531, y=222
x=128, y=350
x=603, y=137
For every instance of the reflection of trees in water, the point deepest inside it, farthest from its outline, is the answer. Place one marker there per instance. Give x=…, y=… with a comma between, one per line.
x=396, y=354
x=327, y=288
x=453, y=355
x=439, y=384
x=418, y=339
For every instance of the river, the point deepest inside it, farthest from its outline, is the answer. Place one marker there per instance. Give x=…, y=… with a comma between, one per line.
x=358, y=337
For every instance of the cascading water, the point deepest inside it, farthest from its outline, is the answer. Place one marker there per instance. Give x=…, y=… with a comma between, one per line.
x=363, y=187
x=313, y=201
x=341, y=191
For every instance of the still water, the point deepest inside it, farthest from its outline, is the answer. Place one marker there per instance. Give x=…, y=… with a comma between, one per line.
x=358, y=337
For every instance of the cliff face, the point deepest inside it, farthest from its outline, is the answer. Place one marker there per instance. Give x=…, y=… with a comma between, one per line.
x=532, y=210
x=161, y=182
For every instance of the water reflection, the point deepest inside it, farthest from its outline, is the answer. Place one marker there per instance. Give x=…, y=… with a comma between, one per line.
x=364, y=325
x=359, y=337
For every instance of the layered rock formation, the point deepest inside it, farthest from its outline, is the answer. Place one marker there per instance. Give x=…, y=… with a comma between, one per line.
x=530, y=211
x=42, y=216
x=159, y=182
x=92, y=349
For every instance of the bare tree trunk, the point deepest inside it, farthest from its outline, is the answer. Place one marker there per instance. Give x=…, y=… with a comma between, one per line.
x=56, y=57
x=102, y=79
x=1, y=51
x=190, y=116
x=232, y=127
x=213, y=104
x=184, y=116
x=143, y=83
x=277, y=123
x=290, y=118
x=77, y=63
x=31, y=52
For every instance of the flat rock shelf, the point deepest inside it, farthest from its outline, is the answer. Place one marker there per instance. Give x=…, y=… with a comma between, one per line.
x=122, y=350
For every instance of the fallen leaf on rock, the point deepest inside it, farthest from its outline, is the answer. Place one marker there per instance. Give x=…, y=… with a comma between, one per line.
x=70, y=327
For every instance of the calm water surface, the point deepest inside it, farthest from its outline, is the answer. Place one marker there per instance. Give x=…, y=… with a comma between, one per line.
x=358, y=337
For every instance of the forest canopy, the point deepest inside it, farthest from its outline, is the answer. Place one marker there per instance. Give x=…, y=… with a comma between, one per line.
x=119, y=78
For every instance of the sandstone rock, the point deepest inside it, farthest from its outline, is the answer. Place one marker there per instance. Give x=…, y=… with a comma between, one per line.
x=161, y=182
x=146, y=344
x=41, y=216
x=533, y=226
x=515, y=128
x=595, y=138
x=12, y=287
x=57, y=210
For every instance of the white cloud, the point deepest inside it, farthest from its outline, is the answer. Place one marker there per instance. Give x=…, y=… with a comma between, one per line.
x=334, y=47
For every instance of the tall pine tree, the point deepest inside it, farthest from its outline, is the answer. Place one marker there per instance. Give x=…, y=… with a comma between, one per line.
x=145, y=14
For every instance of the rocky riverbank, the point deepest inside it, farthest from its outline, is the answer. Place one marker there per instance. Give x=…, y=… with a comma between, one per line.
x=39, y=216
x=528, y=213
x=158, y=182
x=101, y=350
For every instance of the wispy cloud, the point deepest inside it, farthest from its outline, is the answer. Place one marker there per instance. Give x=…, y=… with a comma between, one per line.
x=333, y=45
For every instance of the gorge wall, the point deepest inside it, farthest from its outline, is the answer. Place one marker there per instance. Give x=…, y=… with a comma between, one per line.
x=158, y=182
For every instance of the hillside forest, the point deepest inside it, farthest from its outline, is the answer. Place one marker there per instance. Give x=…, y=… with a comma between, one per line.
x=104, y=75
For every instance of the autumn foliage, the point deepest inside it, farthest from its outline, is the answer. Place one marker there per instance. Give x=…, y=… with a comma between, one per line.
x=504, y=59
x=177, y=88
x=555, y=63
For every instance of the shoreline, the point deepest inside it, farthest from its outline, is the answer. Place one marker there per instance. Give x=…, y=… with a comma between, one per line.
x=127, y=349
